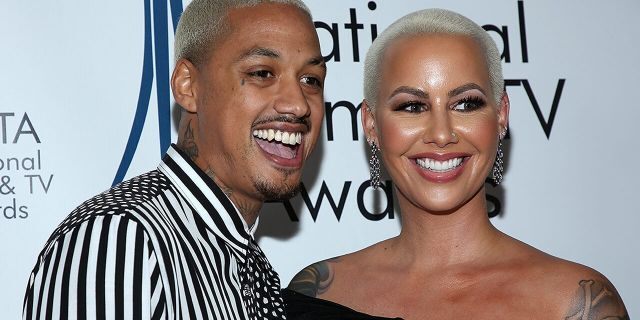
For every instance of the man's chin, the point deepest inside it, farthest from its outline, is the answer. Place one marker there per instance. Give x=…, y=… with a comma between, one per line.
x=277, y=192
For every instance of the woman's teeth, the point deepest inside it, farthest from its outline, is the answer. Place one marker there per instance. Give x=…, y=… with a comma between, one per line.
x=285, y=137
x=439, y=166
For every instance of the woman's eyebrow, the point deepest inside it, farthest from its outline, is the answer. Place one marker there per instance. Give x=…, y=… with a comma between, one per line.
x=409, y=90
x=465, y=87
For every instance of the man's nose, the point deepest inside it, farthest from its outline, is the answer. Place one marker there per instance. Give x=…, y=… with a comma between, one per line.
x=292, y=99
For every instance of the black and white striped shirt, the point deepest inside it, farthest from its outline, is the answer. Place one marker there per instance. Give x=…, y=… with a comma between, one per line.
x=164, y=245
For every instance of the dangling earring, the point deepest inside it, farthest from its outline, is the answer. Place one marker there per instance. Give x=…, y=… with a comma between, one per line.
x=498, y=165
x=374, y=166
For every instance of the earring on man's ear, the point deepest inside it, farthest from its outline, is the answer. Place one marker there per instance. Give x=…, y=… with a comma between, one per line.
x=498, y=165
x=374, y=166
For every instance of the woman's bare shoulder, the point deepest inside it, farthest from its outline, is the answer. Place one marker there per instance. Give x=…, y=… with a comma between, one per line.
x=317, y=278
x=580, y=292
x=586, y=292
x=314, y=279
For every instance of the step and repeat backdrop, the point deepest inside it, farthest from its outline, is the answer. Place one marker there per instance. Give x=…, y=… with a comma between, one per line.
x=85, y=103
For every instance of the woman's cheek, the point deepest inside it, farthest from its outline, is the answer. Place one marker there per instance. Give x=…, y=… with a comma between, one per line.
x=399, y=135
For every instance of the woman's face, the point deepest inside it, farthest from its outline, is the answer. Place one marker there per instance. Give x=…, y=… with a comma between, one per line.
x=436, y=122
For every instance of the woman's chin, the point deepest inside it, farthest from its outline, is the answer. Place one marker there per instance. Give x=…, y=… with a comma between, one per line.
x=443, y=202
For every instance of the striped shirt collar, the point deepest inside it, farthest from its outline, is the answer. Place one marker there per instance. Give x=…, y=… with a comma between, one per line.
x=219, y=214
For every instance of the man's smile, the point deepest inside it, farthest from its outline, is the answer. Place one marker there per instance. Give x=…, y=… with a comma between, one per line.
x=283, y=144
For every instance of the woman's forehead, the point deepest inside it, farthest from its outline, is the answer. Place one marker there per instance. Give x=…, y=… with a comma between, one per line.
x=424, y=59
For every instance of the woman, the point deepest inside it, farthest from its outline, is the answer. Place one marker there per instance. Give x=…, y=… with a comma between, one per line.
x=435, y=106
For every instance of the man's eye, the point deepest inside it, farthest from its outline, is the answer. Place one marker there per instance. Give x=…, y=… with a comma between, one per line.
x=469, y=104
x=312, y=81
x=261, y=74
x=412, y=107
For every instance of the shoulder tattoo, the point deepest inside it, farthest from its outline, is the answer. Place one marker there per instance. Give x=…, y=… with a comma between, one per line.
x=596, y=300
x=314, y=279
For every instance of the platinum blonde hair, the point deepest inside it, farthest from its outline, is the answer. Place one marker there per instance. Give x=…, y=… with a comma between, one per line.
x=425, y=22
x=203, y=22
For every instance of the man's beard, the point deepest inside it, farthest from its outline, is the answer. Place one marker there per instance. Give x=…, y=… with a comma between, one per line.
x=271, y=191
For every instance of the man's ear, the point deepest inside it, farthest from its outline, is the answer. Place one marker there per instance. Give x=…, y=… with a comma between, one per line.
x=369, y=123
x=183, y=85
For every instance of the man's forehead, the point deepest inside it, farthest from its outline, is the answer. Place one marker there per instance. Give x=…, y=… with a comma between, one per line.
x=268, y=30
x=266, y=12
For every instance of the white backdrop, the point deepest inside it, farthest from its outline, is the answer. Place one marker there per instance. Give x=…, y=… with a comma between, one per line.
x=71, y=74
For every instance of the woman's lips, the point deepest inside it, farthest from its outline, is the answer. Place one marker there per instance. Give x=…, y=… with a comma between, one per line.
x=440, y=168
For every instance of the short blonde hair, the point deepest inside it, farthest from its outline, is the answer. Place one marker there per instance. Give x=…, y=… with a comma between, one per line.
x=424, y=22
x=203, y=22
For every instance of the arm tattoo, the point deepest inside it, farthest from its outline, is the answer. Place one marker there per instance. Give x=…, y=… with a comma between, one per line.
x=597, y=300
x=188, y=144
x=314, y=279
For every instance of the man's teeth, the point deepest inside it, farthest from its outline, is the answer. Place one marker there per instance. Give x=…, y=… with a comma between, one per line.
x=439, y=166
x=285, y=137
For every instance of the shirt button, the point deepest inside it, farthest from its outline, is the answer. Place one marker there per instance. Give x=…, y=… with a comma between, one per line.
x=246, y=291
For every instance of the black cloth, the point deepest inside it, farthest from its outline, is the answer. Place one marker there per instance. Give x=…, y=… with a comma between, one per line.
x=302, y=307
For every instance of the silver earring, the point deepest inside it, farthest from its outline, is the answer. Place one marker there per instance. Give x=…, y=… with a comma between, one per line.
x=374, y=166
x=498, y=165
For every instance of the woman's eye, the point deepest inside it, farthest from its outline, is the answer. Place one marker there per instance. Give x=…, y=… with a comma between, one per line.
x=312, y=81
x=412, y=107
x=261, y=74
x=469, y=104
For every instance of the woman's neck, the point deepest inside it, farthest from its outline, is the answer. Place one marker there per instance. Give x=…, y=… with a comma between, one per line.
x=434, y=239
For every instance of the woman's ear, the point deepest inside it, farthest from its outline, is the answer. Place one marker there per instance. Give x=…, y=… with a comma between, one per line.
x=183, y=85
x=503, y=114
x=369, y=123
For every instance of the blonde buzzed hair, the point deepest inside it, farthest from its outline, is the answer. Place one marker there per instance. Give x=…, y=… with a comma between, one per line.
x=425, y=22
x=203, y=22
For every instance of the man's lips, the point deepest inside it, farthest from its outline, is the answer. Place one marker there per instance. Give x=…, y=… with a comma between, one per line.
x=280, y=146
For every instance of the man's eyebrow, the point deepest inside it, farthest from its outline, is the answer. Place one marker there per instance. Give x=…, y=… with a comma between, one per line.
x=409, y=90
x=259, y=51
x=318, y=61
x=271, y=53
x=466, y=87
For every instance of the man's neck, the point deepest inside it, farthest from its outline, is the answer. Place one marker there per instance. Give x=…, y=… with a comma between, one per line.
x=249, y=210
x=247, y=207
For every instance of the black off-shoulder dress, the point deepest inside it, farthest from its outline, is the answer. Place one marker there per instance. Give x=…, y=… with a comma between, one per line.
x=301, y=307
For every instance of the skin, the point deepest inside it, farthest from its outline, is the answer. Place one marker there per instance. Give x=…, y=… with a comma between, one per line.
x=265, y=72
x=449, y=262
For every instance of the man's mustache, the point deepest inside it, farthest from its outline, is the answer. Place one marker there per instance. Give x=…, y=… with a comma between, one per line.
x=284, y=118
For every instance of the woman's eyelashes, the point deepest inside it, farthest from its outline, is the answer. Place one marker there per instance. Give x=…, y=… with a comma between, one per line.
x=468, y=104
x=412, y=107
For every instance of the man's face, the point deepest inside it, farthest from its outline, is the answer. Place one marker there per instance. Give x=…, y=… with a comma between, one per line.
x=260, y=101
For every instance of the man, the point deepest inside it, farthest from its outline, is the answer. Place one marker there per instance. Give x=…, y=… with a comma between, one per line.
x=176, y=243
